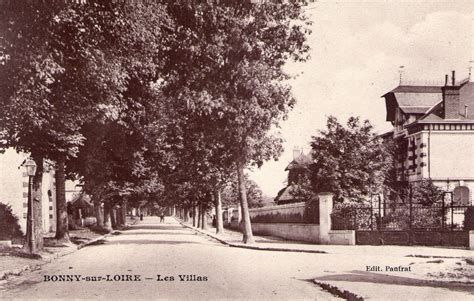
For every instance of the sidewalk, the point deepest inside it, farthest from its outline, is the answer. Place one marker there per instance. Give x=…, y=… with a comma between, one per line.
x=11, y=265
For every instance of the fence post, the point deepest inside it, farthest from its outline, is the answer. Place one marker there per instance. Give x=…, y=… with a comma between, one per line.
x=325, y=209
x=452, y=215
x=410, y=224
x=471, y=240
x=443, y=212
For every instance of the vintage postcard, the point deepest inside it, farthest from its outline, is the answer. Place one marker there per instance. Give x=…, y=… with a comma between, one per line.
x=248, y=150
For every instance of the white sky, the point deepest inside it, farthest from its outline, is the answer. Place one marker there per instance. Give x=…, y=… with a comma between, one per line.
x=357, y=48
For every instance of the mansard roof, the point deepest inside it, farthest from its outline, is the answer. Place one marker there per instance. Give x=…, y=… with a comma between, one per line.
x=411, y=99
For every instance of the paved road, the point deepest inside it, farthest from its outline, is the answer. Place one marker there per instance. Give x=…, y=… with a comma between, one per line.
x=150, y=249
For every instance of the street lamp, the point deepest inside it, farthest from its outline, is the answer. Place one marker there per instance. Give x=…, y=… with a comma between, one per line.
x=30, y=171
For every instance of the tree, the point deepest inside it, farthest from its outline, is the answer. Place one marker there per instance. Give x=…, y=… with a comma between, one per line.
x=50, y=57
x=230, y=193
x=27, y=70
x=236, y=79
x=110, y=64
x=120, y=49
x=350, y=161
x=426, y=193
x=9, y=226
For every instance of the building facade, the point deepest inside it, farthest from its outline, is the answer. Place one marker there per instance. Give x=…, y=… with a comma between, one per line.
x=433, y=129
x=14, y=189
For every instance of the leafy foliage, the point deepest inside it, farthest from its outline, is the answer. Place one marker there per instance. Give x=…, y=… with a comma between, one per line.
x=349, y=216
x=130, y=93
x=426, y=193
x=469, y=219
x=230, y=193
x=349, y=161
x=9, y=226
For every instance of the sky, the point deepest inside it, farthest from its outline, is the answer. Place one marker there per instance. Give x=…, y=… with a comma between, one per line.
x=357, y=48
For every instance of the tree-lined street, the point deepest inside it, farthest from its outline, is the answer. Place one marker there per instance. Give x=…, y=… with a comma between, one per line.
x=167, y=249
x=125, y=97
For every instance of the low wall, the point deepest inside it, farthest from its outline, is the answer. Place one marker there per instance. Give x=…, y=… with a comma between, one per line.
x=342, y=237
x=420, y=238
x=305, y=213
x=300, y=232
x=308, y=221
x=5, y=244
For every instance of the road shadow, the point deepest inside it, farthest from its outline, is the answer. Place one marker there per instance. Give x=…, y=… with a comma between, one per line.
x=134, y=232
x=368, y=277
x=153, y=227
x=148, y=242
x=272, y=241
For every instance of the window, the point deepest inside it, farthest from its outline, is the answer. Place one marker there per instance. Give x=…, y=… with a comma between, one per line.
x=461, y=196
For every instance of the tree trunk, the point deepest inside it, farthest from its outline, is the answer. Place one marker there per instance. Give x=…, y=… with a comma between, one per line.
x=185, y=214
x=247, y=227
x=118, y=216
x=62, y=227
x=195, y=215
x=203, y=218
x=199, y=216
x=124, y=213
x=99, y=215
x=113, y=217
x=107, y=217
x=218, y=204
x=34, y=227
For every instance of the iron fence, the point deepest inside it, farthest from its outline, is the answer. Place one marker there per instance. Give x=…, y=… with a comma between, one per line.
x=402, y=216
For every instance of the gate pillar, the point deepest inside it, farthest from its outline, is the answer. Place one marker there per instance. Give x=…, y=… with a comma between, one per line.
x=471, y=240
x=325, y=209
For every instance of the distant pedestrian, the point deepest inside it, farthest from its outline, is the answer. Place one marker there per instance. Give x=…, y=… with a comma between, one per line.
x=141, y=216
x=162, y=218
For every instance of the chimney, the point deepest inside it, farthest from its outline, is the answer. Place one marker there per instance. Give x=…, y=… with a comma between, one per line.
x=401, y=72
x=296, y=153
x=451, y=102
x=453, y=78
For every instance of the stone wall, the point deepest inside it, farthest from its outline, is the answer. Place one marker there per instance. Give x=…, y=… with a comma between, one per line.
x=296, y=213
x=298, y=232
x=298, y=221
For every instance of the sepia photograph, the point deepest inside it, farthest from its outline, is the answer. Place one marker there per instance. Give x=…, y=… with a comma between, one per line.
x=236, y=150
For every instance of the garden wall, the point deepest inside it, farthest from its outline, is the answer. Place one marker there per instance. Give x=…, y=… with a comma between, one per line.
x=298, y=221
x=297, y=213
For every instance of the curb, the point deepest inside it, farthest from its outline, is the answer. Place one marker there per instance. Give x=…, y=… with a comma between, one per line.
x=44, y=260
x=338, y=292
x=242, y=246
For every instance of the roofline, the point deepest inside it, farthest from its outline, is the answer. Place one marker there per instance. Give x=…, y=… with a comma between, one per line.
x=421, y=86
x=448, y=121
x=384, y=134
x=434, y=107
x=457, y=121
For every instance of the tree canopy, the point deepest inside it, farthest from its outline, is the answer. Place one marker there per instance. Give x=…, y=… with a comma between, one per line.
x=149, y=99
x=351, y=161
